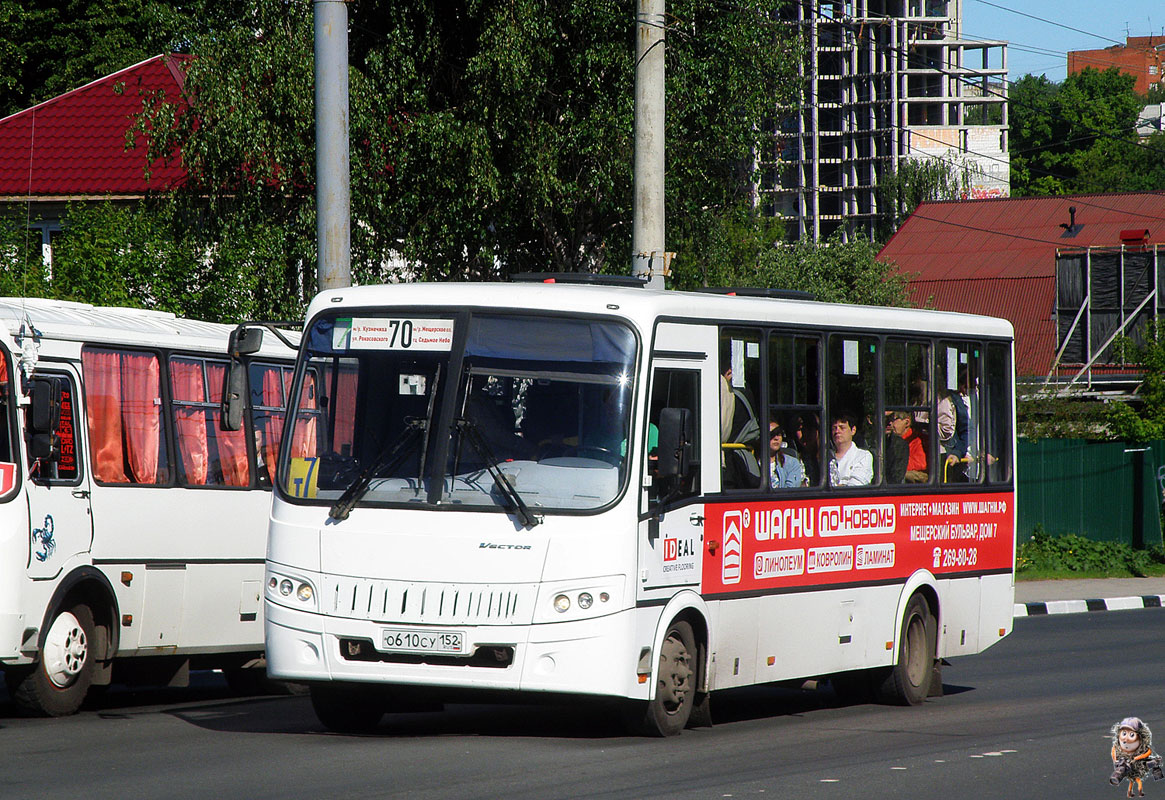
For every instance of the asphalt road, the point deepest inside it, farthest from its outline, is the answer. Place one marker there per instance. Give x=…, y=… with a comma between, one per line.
x=1027, y=719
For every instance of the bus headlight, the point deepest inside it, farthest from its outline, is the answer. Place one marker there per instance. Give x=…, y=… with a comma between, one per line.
x=290, y=591
x=583, y=599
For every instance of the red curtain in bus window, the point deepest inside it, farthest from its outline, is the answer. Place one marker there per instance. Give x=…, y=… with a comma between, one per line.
x=232, y=445
x=187, y=385
x=303, y=441
x=103, y=411
x=345, y=404
x=141, y=411
x=273, y=425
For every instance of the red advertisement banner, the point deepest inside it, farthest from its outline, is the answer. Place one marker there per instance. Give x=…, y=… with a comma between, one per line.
x=768, y=545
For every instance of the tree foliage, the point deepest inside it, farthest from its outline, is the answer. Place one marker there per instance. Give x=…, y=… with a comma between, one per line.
x=918, y=180
x=832, y=271
x=1144, y=421
x=486, y=137
x=1079, y=136
x=48, y=47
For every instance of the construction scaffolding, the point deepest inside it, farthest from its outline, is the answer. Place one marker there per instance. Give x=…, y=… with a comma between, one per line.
x=883, y=81
x=1103, y=294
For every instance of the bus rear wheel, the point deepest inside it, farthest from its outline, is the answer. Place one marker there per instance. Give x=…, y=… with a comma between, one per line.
x=908, y=681
x=668, y=712
x=346, y=707
x=57, y=683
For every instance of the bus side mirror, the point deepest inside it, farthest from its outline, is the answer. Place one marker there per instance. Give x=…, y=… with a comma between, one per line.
x=234, y=388
x=243, y=342
x=44, y=418
x=676, y=434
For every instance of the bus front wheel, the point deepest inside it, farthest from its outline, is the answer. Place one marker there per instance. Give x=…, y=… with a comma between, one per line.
x=57, y=683
x=908, y=681
x=668, y=712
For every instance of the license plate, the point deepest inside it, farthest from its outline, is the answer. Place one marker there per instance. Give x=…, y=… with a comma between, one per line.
x=405, y=640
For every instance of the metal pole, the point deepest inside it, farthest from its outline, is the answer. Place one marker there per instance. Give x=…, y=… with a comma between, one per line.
x=333, y=196
x=648, y=259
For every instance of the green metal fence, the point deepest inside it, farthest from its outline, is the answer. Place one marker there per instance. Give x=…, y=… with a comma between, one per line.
x=1106, y=491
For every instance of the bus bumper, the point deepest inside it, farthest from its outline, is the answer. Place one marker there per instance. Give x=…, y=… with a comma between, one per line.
x=591, y=657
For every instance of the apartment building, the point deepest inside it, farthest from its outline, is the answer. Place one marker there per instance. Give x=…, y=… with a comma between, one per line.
x=884, y=81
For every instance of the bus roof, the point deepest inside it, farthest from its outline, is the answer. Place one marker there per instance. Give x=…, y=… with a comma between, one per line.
x=644, y=306
x=67, y=320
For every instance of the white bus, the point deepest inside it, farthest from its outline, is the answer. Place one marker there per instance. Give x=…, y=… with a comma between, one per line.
x=132, y=527
x=547, y=488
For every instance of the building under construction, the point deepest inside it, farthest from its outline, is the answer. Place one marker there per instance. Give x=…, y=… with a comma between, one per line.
x=884, y=81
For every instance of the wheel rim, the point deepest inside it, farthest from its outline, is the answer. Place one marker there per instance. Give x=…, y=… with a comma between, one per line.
x=675, y=674
x=916, y=651
x=66, y=648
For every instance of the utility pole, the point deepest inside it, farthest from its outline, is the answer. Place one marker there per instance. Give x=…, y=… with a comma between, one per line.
x=648, y=258
x=333, y=195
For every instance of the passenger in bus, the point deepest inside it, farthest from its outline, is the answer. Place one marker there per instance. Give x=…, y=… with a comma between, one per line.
x=902, y=426
x=896, y=453
x=954, y=420
x=739, y=436
x=807, y=436
x=850, y=465
x=785, y=471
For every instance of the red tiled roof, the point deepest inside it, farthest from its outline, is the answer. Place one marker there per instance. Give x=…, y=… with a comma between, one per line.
x=1026, y=302
x=74, y=145
x=998, y=257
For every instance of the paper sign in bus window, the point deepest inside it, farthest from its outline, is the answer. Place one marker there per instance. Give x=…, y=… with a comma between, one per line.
x=393, y=333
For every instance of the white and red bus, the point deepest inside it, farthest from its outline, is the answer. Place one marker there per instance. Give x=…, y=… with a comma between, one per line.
x=132, y=526
x=556, y=488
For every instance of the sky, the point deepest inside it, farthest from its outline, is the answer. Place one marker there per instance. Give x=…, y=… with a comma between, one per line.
x=1040, y=47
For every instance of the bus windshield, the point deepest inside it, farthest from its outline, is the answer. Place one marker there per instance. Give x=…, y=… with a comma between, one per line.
x=474, y=410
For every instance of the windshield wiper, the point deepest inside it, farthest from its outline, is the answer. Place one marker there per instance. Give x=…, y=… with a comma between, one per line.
x=389, y=458
x=469, y=430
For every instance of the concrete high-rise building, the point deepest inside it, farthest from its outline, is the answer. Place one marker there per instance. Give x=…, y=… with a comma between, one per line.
x=883, y=82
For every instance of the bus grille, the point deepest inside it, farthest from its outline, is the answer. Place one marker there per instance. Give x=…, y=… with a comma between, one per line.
x=429, y=603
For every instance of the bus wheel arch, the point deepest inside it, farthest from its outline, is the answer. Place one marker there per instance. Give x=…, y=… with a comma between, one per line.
x=679, y=676
x=77, y=640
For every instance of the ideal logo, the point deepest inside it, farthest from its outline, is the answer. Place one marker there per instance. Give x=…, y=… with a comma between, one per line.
x=730, y=566
x=674, y=549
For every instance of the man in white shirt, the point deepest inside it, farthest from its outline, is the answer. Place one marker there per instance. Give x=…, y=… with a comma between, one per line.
x=850, y=464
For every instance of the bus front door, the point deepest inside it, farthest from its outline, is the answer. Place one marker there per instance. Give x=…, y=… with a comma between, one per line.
x=60, y=519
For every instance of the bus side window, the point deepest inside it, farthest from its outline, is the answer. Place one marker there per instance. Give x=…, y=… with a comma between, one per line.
x=52, y=446
x=854, y=403
x=673, y=388
x=794, y=440
x=997, y=408
x=123, y=401
x=740, y=421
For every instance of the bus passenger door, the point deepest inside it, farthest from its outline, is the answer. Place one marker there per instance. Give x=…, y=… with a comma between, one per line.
x=671, y=530
x=61, y=523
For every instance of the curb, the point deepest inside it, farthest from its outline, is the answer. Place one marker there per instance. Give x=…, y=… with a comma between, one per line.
x=1077, y=606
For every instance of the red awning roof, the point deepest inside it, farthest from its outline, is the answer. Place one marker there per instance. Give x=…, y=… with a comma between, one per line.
x=74, y=145
x=998, y=257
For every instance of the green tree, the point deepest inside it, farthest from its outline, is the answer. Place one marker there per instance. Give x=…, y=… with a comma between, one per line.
x=487, y=137
x=48, y=47
x=918, y=180
x=1079, y=136
x=832, y=271
x=1144, y=421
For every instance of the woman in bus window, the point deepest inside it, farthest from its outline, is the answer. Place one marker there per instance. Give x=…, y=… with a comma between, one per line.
x=785, y=470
